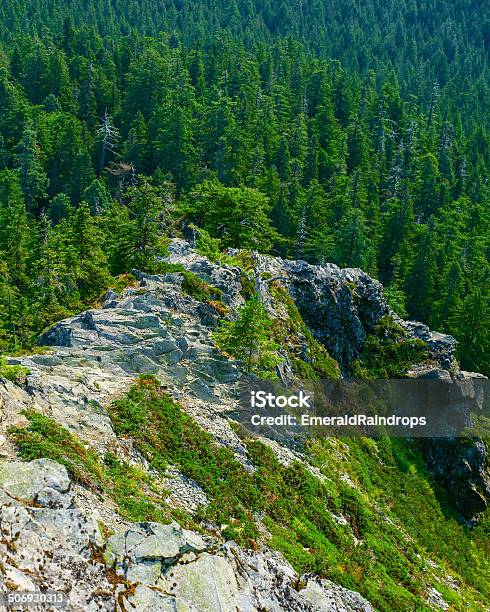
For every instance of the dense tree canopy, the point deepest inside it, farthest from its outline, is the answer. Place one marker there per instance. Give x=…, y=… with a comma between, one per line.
x=443, y=41
x=326, y=131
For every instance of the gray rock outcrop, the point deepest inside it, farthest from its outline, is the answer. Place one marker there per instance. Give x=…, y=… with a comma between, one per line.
x=46, y=542
x=50, y=538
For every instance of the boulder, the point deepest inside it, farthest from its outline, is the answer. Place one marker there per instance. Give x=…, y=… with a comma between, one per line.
x=49, y=547
x=205, y=585
x=147, y=548
x=41, y=482
x=325, y=596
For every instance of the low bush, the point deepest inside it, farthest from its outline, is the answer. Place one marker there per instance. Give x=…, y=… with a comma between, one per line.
x=388, y=352
x=135, y=493
x=14, y=373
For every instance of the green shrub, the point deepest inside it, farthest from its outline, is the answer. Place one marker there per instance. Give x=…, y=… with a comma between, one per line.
x=212, y=249
x=192, y=284
x=293, y=335
x=122, y=282
x=14, y=373
x=44, y=437
x=388, y=352
x=128, y=486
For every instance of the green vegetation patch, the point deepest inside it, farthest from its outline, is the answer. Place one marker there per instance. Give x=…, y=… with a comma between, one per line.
x=388, y=352
x=370, y=554
x=211, y=247
x=194, y=286
x=309, y=358
x=137, y=495
x=402, y=518
x=165, y=434
x=122, y=282
x=394, y=517
x=14, y=373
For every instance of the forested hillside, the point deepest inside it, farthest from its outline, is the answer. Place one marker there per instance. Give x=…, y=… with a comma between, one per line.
x=439, y=42
x=330, y=133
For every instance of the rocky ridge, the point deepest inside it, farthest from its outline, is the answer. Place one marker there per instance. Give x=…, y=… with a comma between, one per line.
x=48, y=543
x=155, y=328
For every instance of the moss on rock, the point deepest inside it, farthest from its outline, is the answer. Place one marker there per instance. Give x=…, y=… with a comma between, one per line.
x=310, y=359
x=388, y=352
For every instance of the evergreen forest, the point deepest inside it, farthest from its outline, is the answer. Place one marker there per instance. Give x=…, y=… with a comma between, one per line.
x=345, y=132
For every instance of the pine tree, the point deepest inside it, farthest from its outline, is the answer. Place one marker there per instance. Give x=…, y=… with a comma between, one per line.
x=299, y=145
x=397, y=228
x=420, y=282
x=146, y=79
x=472, y=328
x=249, y=339
x=6, y=327
x=92, y=273
x=136, y=227
x=59, y=208
x=283, y=160
x=237, y=215
x=33, y=178
x=174, y=140
x=69, y=166
x=14, y=254
x=86, y=96
x=3, y=154
x=427, y=187
x=96, y=197
x=13, y=109
x=58, y=79
x=137, y=148
x=14, y=231
x=353, y=245
x=51, y=273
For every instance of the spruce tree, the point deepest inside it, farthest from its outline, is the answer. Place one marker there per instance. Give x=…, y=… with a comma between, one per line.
x=92, y=272
x=249, y=339
x=33, y=178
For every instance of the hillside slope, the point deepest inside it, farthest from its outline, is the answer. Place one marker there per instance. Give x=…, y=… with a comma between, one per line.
x=148, y=455
x=444, y=42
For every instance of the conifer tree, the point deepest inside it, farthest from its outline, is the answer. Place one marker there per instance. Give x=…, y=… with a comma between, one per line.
x=420, y=282
x=353, y=245
x=14, y=231
x=96, y=197
x=59, y=208
x=136, y=226
x=249, y=339
x=33, y=178
x=92, y=273
x=237, y=215
x=471, y=325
